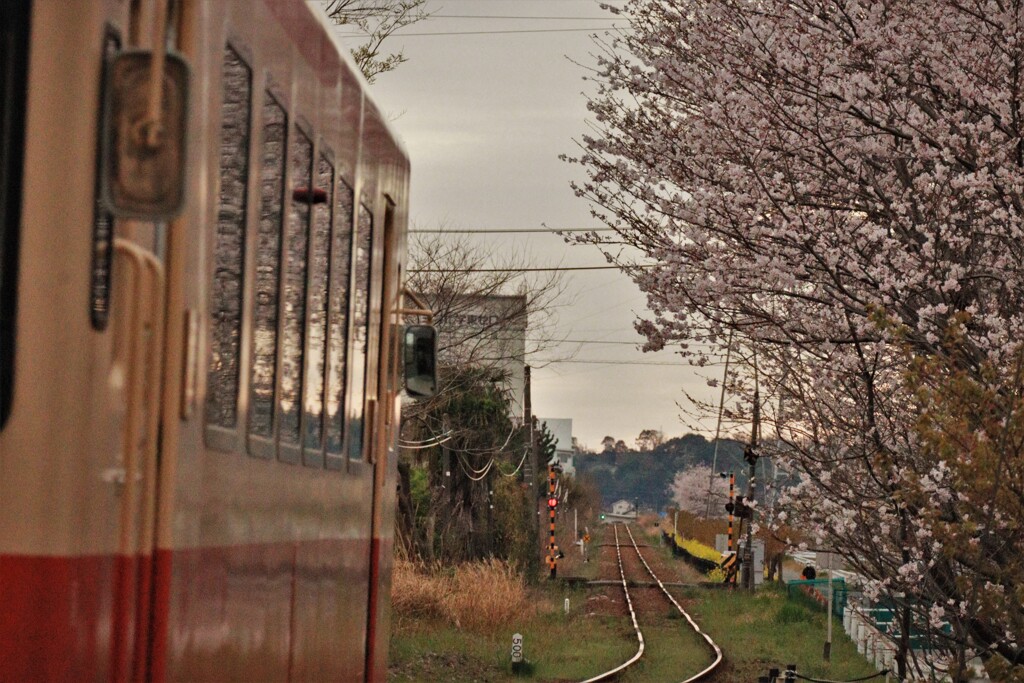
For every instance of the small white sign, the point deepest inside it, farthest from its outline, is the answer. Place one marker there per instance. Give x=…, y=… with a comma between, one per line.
x=517, y=648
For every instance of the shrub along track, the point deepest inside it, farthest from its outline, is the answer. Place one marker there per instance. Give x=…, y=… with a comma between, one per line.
x=629, y=562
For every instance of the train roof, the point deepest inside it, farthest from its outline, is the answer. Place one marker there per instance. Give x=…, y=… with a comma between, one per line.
x=318, y=14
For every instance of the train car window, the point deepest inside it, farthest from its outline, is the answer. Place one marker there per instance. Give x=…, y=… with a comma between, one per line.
x=14, y=48
x=316, y=334
x=265, y=312
x=341, y=275
x=360, y=330
x=268, y=267
x=103, y=220
x=229, y=247
x=293, y=331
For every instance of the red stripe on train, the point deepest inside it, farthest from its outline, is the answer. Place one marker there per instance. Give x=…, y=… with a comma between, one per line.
x=51, y=626
x=61, y=619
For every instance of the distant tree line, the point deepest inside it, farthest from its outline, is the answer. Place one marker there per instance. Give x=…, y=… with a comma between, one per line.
x=645, y=474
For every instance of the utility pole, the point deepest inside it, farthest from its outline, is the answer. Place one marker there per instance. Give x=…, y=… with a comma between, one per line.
x=718, y=427
x=446, y=463
x=750, y=455
x=530, y=469
x=530, y=475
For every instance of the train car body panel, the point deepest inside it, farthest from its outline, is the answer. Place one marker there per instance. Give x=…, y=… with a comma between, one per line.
x=201, y=488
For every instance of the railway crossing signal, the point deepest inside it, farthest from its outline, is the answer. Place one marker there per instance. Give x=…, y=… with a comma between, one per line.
x=552, y=558
x=740, y=508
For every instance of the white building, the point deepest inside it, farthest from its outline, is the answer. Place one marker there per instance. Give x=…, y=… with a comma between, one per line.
x=487, y=332
x=622, y=507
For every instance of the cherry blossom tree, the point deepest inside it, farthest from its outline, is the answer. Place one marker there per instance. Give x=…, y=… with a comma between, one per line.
x=840, y=184
x=695, y=491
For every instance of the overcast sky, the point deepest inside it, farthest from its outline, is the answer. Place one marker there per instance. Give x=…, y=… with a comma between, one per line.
x=484, y=118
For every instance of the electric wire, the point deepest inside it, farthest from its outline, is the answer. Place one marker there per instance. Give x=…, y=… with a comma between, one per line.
x=613, y=362
x=880, y=674
x=513, y=473
x=499, y=448
x=548, y=269
x=466, y=469
x=426, y=445
x=470, y=468
x=433, y=437
x=485, y=33
x=512, y=231
x=501, y=16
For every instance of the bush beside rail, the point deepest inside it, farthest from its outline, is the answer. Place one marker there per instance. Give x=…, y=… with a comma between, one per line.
x=702, y=557
x=479, y=596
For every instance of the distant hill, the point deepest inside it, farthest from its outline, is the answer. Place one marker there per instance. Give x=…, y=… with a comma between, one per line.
x=644, y=476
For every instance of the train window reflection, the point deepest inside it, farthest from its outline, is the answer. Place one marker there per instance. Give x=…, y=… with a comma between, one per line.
x=229, y=247
x=360, y=330
x=14, y=38
x=294, y=309
x=341, y=274
x=268, y=267
x=103, y=220
x=319, y=265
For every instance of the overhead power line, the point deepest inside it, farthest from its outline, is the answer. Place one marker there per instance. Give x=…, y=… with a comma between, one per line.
x=499, y=231
x=586, y=341
x=485, y=33
x=507, y=16
x=610, y=362
x=522, y=270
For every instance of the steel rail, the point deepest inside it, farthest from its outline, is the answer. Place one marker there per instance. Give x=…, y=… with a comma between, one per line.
x=714, y=647
x=632, y=614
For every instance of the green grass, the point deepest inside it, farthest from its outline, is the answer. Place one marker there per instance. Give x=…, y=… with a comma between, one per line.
x=765, y=629
x=756, y=632
x=559, y=646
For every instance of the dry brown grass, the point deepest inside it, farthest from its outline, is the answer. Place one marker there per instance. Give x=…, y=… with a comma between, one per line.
x=417, y=591
x=487, y=595
x=477, y=596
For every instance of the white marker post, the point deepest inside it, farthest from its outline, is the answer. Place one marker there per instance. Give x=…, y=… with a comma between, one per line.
x=517, y=652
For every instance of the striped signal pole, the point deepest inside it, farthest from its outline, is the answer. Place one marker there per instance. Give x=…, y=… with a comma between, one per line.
x=552, y=503
x=732, y=503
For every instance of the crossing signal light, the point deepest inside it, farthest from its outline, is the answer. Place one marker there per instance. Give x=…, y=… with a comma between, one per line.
x=729, y=507
x=552, y=503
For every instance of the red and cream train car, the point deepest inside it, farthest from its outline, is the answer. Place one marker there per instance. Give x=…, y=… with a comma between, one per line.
x=197, y=460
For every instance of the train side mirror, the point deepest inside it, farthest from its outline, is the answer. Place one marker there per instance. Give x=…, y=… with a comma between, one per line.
x=144, y=156
x=420, y=352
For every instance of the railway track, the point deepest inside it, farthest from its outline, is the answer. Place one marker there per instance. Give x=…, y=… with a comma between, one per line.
x=632, y=547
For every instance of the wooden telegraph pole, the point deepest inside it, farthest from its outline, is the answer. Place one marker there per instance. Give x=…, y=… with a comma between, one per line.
x=750, y=455
x=530, y=476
